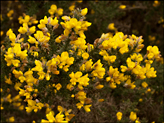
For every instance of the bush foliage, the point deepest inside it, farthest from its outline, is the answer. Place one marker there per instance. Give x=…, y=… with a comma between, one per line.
x=81, y=61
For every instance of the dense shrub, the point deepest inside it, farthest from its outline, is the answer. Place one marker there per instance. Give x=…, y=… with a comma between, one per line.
x=58, y=67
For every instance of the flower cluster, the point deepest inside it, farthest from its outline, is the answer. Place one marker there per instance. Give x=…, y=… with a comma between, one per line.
x=53, y=9
x=45, y=66
x=27, y=19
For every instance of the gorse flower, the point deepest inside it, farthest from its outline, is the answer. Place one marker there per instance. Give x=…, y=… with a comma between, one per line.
x=53, y=9
x=85, y=56
x=98, y=70
x=122, y=6
x=119, y=116
x=77, y=77
x=144, y=84
x=25, y=29
x=8, y=81
x=84, y=11
x=111, y=26
x=27, y=19
x=72, y=7
x=153, y=52
x=9, y=14
x=99, y=86
x=156, y=3
x=87, y=108
x=133, y=116
x=11, y=119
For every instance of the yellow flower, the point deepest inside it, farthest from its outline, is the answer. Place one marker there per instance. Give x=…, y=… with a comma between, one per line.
x=38, y=66
x=17, y=49
x=32, y=29
x=122, y=6
x=156, y=3
x=50, y=117
x=44, y=121
x=15, y=62
x=64, y=56
x=26, y=19
x=8, y=81
x=112, y=58
x=52, y=9
x=2, y=107
x=85, y=56
x=11, y=119
x=70, y=60
x=41, y=75
x=21, y=92
x=9, y=32
x=144, y=84
x=21, y=107
x=133, y=116
x=148, y=90
x=119, y=116
x=130, y=85
x=70, y=87
x=23, y=29
x=79, y=105
x=58, y=40
x=88, y=65
x=99, y=70
x=84, y=11
x=41, y=26
x=108, y=78
x=87, y=108
x=45, y=20
x=17, y=86
x=137, y=120
x=130, y=63
x=53, y=22
x=72, y=7
x=140, y=100
x=59, y=118
x=8, y=98
x=40, y=105
x=113, y=85
x=101, y=100
x=151, y=38
x=150, y=71
x=99, y=86
x=22, y=79
x=12, y=37
x=60, y=11
x=60, y=108
x=58, y=86
x=9, y=14
x=123, y=68
x=35, y=54
x=153, y=52
x=1, y=33
x=32, y=40
x=48, y=77
x=111, y=26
